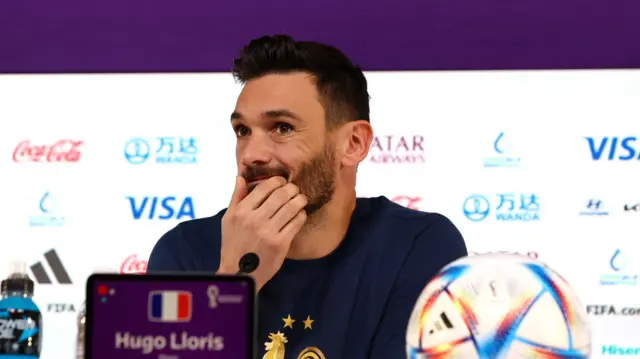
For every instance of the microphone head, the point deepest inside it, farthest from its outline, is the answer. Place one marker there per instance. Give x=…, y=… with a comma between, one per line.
x=249, y=263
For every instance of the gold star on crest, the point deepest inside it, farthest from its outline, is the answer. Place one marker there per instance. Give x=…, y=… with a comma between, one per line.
x=288, y=321
x=308, y=322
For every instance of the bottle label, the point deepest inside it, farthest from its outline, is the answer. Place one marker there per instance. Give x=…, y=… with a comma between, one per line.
x=20, y=332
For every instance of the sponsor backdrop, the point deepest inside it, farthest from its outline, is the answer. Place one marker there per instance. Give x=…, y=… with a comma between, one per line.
x=95, y=168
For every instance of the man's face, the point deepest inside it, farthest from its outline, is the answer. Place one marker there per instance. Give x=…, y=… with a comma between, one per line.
x=280, y=129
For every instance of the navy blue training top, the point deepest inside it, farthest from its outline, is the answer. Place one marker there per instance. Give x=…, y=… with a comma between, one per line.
x=354, y=303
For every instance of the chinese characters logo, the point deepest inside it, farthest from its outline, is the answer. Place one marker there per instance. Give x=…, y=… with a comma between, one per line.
x=504, y=207
x=162, y=150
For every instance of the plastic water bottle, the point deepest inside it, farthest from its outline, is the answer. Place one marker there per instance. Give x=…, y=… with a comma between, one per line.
x=20, y=317
x=82, y=317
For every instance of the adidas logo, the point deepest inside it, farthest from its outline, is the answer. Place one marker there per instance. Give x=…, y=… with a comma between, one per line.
x=443, y=323
x=55, y=265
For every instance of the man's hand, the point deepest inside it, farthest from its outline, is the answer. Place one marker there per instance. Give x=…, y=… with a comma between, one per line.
x=263, y=222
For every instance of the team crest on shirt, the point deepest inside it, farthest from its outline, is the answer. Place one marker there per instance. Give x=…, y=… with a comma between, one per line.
x=275, y=348
x=311, y=353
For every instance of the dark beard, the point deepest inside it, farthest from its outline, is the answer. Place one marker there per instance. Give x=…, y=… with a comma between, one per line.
x=315, y=179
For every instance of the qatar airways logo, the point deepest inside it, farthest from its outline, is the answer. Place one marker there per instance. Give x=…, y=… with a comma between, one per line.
x=397, y=149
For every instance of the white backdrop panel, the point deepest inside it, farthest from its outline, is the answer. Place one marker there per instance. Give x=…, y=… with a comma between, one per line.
x=446, y=142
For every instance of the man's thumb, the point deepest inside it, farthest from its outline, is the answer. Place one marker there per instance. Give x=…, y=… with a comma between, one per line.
x=240, y=191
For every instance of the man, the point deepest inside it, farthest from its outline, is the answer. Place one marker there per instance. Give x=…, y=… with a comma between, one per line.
x=338, y=276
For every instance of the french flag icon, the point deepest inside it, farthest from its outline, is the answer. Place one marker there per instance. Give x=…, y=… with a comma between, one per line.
x=170, y=306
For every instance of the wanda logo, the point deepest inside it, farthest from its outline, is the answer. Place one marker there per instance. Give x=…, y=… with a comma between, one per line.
x=133, y=265
x=408, y=201
x=60, y=151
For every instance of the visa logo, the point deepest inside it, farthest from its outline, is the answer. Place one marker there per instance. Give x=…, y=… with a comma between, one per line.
x=161, y=208
x=614, y=148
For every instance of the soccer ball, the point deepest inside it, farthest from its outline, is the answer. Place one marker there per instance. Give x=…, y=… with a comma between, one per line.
x=498, y=306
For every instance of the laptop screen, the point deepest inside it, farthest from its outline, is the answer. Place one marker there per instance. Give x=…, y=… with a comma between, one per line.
x=169, y=317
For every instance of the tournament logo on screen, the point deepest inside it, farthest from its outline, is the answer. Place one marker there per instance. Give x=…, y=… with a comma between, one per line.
x=162, y=150
x=60, y=151
x=162, y=208
x=504, y=155
x=614, y=148
x=503, y=207
x=397, y=149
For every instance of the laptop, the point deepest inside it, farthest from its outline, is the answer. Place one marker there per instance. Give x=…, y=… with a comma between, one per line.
x=174, y=316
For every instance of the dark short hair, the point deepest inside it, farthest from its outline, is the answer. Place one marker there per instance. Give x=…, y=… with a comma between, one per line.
x=341, y=84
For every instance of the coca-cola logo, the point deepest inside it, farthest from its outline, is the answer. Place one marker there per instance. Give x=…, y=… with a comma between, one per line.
x=60, y=151
x=408, y=201
x=133, y=265
x=532, y=255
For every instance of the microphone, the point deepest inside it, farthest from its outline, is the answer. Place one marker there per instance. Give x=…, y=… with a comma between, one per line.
x=248, y=263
